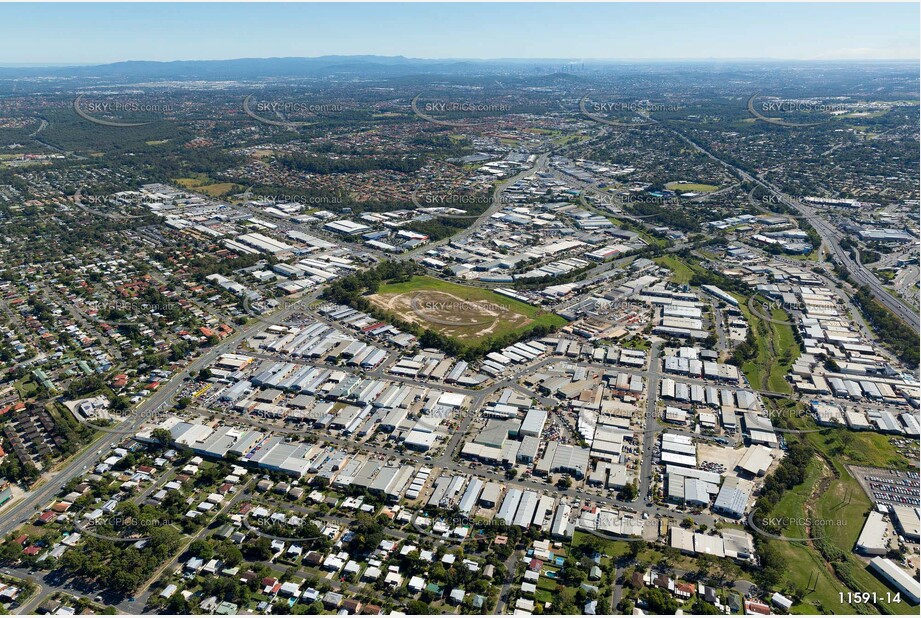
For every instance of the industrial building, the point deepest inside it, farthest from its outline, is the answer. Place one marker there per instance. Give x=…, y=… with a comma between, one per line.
x=873, y=539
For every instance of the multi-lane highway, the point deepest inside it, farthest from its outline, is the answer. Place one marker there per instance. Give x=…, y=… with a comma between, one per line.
x=830, y=237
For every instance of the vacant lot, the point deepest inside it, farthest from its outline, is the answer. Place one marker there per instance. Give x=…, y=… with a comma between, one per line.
x=690, y=186
x=467, y=314
x=681, y=272
x=203, y=184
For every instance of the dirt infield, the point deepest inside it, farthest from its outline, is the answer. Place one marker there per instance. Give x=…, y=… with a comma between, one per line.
x=451, y=315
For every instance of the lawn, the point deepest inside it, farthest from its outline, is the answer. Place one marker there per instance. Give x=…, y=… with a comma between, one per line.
x=808, y=566
x=845, y=504
x=609, y=547
x=853, y=448
x=777, y=351
x=468, y=314
x=202, y=184
x=791, y=505
x=805, y=563
x=681, y=272
x=635, y=343
x=691, y=186
x=838, y=511
x=26, y=387
x=422, y=283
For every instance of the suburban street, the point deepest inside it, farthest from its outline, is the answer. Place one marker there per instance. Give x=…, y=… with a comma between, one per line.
x=17, y=513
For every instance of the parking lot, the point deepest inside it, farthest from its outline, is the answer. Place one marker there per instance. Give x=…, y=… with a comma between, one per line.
x=890, y=487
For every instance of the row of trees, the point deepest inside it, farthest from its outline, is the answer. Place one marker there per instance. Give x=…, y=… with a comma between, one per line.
x=316, y=164
x=894, y=333
x=118, y=567
x=789, y=474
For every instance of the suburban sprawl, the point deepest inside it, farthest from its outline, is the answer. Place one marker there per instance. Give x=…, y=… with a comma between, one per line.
x=566, y=339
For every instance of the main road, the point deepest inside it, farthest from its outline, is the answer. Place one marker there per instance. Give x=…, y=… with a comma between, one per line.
x=35, y=499
x=497, y=202
x=651, y=426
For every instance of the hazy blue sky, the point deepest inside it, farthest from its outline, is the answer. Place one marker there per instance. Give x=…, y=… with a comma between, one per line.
x=92, y=33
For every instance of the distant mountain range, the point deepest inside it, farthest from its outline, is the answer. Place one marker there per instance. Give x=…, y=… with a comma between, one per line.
x=255, y=68
x=355, y=66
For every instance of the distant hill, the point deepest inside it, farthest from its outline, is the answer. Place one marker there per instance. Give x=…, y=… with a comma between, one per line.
x=547, y=70
x=255, y=68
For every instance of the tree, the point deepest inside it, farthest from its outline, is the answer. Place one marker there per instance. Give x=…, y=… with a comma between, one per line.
x=259, y=548
x=368, y=535
x=437, y=572
x=230, y=554
x=659, y=602
x=162, y=436
x=201, y=549
x=178, y=605
x=630, y=491
x=701, y=607
x=635, y=548
x=418, y=608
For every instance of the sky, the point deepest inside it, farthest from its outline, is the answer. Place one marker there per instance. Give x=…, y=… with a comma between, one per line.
x=101, y=33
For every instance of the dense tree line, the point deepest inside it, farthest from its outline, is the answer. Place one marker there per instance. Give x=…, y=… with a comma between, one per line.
x=664, y=215
x=745, y=351
x=789, y=474
x=119, y=567
x=315, y=164
x=348, y=290
x=893, y=332
x=14, y=470
x=709, y=277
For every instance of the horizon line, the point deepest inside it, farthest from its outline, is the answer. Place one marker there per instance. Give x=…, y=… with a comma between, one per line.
x=59, y=65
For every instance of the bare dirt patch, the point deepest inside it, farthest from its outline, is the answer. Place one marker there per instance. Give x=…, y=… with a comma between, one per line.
x=451, y=315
